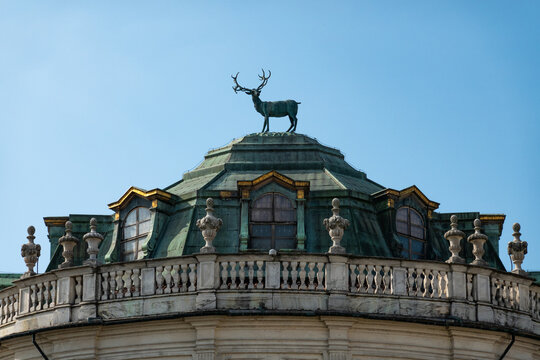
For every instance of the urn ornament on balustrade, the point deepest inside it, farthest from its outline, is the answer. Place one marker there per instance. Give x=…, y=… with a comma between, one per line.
x=478, y=240
x=336, y=225
x=209, y=226
x=68, y=242
x=30, y=252
x=517, y=249
x=454, y=237
x=93, y=239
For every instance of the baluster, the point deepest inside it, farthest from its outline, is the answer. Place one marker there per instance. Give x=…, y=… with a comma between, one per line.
x=192, y=277
x=504, y=294
x=352, y=278
x=159, y=280
x=128, y=283
x=320, y=276
x=494, y=291
x=136, y=282
x=242, y=275
x=234, y=284
x=369, y=279
x=361, y=278
x=167, y=277
x=250, y=274
x=78, y=289
x=8, y=308
x=411, y=282
x=45, y=294
x=2, y=310
x=260, y=274
x=443, y=285
x=105, y=286
x=378, y=279
x=285, y=275
x=120, y=284
x=176, y=278
x=387, y=280
x=184, y=277
x=302, y=275
x=435, y=284
x=13, y=307
x=33, y=297
x=294, y=274
x=420, y=278
x=53, y=294
x=112, y=284
x=224, y=275
x=311, y=275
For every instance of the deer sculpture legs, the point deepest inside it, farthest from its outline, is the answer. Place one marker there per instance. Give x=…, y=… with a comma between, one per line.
x=292, y=128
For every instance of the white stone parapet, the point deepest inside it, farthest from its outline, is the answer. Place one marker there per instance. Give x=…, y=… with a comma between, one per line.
x=348, y=285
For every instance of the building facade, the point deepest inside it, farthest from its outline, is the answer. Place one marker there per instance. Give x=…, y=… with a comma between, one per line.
x=288, y=272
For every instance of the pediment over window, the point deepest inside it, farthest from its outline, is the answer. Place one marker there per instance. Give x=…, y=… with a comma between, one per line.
x=300, y=187
x=388, y=197
x=151, y=195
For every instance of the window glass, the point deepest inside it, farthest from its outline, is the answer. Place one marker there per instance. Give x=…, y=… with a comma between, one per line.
x=272, y=222
x=135, y=229
x=410, y=227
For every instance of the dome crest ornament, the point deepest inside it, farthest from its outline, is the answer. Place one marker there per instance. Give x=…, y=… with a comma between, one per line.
x=478, y=240
x=517, y=249
x=454, y=237
x=30, y=252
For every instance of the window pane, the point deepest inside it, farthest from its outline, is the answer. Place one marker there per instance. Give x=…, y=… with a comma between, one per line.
x=130, y=231
x=417, y=232
x=144, y=214
x=405, y=243
x=264, y=215
x=285, y=231
x=129, y=257
x=417, y=246
x=261, y=243
x=131, y=218
x=285, y=244
x=402, y=227
x=282, y=202
x=402, y=214
x=261, y=230
x=130, y=246
x=263, y=202
x=416, y=219
x=144, y=227
x=285, y=215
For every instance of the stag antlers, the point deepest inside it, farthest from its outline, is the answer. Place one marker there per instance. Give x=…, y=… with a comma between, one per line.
x=263, y=78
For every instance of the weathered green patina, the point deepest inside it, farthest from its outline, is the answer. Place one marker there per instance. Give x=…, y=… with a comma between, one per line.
x=309, y=174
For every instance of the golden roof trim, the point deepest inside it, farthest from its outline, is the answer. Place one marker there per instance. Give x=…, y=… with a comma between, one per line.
x=492, y=217
x=134, y=191
x=293, y=184
x=55, y=221
x=407, y=191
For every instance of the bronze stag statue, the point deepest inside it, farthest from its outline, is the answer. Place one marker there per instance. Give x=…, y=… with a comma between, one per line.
x=269, y=108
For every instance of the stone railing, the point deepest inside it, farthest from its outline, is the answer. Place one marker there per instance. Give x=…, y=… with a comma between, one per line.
x=387, y=288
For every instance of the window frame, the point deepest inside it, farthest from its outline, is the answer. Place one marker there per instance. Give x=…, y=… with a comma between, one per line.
x=409, y=235
x=273, y=222
x=138, y=236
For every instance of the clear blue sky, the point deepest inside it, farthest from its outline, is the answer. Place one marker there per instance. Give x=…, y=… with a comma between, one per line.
x=98, y=96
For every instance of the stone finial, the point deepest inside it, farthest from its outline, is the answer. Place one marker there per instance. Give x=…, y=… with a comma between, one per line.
x=68, y=242
x=478, y=239
x=93, y=239
x=30, y=252
x=517, y=249
x=336, y=226
x=209, y=226
x=454, y=237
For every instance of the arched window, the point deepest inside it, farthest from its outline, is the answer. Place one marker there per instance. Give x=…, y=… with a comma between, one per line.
x=272, y=223
x=412, y=232
x=136, y=228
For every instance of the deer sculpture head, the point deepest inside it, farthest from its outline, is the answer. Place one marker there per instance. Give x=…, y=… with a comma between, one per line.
x=269, y=108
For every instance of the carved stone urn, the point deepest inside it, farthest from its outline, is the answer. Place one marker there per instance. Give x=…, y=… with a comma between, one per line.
x=454, y=237
x=336, y=225
x=517, y=250
x=209, y=226
x=30, y=252
x=478, y=240
x=68, y=242
x=93, y=239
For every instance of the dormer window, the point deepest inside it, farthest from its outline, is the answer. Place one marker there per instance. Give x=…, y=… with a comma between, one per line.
x=136, y=228
x=412, y=232
x=272, y=222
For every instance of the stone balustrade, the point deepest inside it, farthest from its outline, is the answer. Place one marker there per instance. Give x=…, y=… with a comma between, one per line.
x=337, y=283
